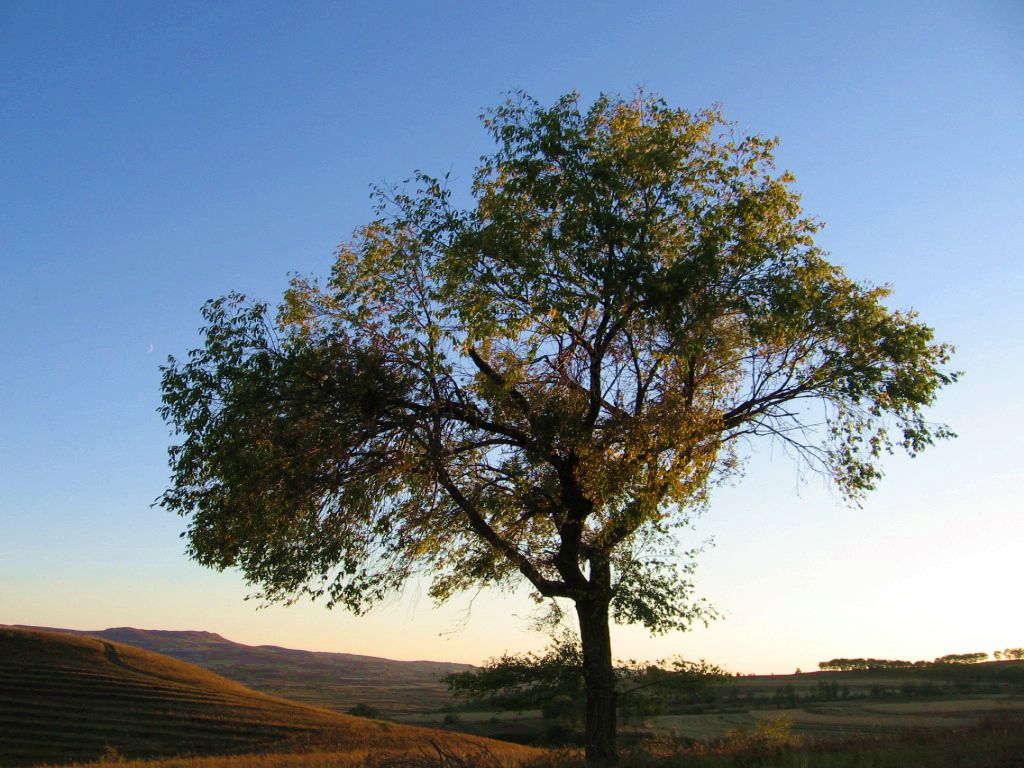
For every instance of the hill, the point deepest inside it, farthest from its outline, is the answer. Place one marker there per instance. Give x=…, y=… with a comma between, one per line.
x=335, y=680
x=65, y=697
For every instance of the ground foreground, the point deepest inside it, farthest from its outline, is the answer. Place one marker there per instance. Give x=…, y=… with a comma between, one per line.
x=996, y=743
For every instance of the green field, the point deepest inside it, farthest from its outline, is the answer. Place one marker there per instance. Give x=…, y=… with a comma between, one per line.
x=820, y=706
x=841, y=720
x=824, y=721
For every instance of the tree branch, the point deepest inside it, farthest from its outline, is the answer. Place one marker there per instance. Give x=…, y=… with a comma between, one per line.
x=545, y=586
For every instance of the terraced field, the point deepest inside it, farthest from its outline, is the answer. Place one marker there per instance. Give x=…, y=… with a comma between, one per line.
x=334, y=680
x=65, y=698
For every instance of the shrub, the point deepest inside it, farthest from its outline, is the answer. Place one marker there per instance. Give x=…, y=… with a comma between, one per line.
x=366, y=710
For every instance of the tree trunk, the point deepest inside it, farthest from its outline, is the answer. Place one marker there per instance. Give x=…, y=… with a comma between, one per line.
x=599, y=679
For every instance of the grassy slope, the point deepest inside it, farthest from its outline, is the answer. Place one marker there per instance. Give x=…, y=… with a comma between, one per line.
x=336, y=680
x=68, y=698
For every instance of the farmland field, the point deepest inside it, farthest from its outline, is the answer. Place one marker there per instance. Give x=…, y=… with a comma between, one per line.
x=858, y=704
x=839, y=720
x=824, y=721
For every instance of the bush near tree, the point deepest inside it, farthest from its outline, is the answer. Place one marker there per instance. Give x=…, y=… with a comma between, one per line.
x=553, y=681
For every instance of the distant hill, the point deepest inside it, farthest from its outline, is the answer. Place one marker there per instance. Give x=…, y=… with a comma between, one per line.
x=71, y=698
x=335, y=680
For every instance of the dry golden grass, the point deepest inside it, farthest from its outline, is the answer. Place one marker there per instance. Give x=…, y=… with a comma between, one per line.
x=432, y=754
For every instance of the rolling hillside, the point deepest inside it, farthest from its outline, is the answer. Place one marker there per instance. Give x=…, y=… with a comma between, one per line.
x=65, y=698
x=335, y=680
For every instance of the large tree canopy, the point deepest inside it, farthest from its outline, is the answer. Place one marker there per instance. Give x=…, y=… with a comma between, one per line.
x=544, y=383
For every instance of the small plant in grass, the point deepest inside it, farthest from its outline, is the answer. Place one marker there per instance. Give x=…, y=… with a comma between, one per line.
x=768, y=738
x=438, y=756
x=112, y=755
x=366, y=710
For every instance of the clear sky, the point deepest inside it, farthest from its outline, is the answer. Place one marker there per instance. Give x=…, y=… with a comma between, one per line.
x=154, y=155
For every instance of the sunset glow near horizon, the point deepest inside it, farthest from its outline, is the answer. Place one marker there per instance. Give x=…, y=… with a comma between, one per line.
x=156, y=156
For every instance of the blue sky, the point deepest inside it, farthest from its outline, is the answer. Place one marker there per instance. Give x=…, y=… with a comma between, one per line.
x=154, y=155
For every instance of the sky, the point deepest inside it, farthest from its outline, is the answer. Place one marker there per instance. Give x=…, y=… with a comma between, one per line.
x=154, y=155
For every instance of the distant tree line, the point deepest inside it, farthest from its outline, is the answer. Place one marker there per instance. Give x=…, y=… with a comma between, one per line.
x=1010, y=654
x=962, y=658
x=846, y=665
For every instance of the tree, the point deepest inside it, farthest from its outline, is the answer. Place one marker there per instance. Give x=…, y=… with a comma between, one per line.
x=545, y=384
x=962, y=658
